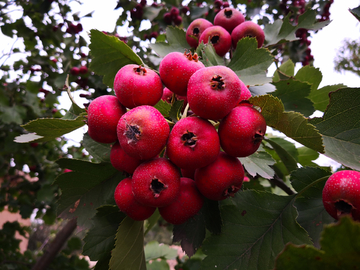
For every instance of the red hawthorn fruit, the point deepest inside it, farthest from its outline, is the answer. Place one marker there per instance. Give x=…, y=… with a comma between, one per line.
x=341, y=194
x=143, y=132
x=156, y=182
x=74, y=71
x=135, y=85
x=187, y=205
x=220, y=179
x=167, y=18
x=248, y=29
x=193, y=143
x=121, y=160
x=242, y=131
x=83, y=70
x=124, y=199
x=176, y=69
x=188, y=173
x=245, y=93
x=219, y=37
x=213, y=92
x=104, y=113
x=167, y=95
x=194, y=31
x=229, y=18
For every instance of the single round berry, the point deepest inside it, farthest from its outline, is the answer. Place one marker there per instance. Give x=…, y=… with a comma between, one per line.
x=176, y=69
x=143, y=132
x=135, y=85
x=156, y=182
x=193, y=143
x=104, y=113
x=248, y=29
x=229, y=18
x=341, y=194
x=213, y=92
x=194, y=31
x=220, y=179
x=219, y=37
x=242, y=131
x=121, y=160
x=125, y=200
x=187, y=205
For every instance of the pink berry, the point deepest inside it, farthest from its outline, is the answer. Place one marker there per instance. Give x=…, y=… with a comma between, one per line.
x=219, y=37
x=194, y=31
x=229, y=18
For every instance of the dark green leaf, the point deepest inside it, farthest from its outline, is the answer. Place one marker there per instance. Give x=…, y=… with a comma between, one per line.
x=356, y=12
x=256, y=228
x=340, y=249
x=311, y=75
x=100, y=239
x=292, y=124
x=320, y=97
x=190, y=234
x=306, y=156
x=309, y=182
x=340, y=127
x=208, y=55
x=99, y=151
x=129, y=246
x=109, y=54
x=259, y=163
x=176, y=38
x=49, y=129
x=286, y=152
x=86, y=188
x=293, y=95
x=250, y=63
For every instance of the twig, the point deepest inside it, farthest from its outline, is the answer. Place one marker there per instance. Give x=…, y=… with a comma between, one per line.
x=56, y=245
x=277, y=181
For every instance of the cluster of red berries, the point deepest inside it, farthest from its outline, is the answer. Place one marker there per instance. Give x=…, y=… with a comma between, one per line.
x=81, y=81
x=173, y=16
x=173, y=166
x=326, y=11
x=228, y=28
x=138, y=11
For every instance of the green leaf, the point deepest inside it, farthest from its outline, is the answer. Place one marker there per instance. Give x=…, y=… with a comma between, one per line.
x=211, y=214
x=163, y=107
x=320, y=97
x=293, y=95
x=253, y=232
x=259, y=163
x=86, y=188
x=311, y=75
x=309, y=182
x=284, y=30
x=14, y=114
x=100, y=239
x=154, y=250
x=340, y=127
x=176, y=42
x=109, y=54
x=208, y=55
x=99, y=151
x=355, y=12
x=340, y=249
x=292, y=124
x=157, y=265
x=49, y=128
x=250, y=63
x=129, y=246
x=175, y=110
x=286, y=152
x=190, y=234
x=306, y=156
x=285, y=71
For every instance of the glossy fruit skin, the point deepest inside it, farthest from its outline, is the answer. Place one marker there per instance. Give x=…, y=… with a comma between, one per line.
x=194, y=31
x=242, y=131
x=213, y=92
x=187, y=205
x=104, y=113
x=193, y=143
x=143, y=132
x=219, y=37
x=220, y=179
x=156, y=182
x=343, y=187
x=176, y=69
x=135, y=85
x=125, y=200
x=248, y=29
x=121, y=161
x=229, y=18
x=245, y=93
